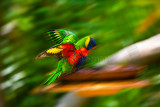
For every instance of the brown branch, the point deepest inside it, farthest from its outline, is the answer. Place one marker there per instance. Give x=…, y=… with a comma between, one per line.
x=104, y=81
x=107, y=73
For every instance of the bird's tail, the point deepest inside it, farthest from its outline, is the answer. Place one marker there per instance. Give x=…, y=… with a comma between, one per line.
x=52, y=77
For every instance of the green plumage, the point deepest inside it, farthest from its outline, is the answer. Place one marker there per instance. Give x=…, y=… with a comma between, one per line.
x=63, y=67
x=81, y=43
x=61, y=37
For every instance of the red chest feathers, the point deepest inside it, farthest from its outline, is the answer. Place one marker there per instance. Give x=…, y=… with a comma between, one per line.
x=68, y=50
x=82, y=52
x=73, y=54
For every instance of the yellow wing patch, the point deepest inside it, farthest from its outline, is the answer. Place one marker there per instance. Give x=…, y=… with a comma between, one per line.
x=54, y=50
x=87, y=41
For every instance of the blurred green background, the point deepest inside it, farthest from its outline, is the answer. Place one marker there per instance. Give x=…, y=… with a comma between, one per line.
x=114, y=24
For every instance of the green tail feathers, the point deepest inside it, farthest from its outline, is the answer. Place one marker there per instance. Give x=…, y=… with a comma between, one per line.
x=63, y=66
x=52, y=77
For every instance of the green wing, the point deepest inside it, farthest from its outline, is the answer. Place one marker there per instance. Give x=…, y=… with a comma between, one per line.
x=61, y=36
x=83, y=42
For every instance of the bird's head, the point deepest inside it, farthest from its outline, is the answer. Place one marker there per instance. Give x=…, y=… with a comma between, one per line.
x=90, y=43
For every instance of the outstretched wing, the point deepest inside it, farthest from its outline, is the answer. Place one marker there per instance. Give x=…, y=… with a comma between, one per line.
x=55, y=50
x=60, y=35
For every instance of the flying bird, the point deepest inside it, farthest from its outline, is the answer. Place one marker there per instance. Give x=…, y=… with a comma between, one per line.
x=70, y=52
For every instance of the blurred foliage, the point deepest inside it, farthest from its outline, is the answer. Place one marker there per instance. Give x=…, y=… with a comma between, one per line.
x=114, y=24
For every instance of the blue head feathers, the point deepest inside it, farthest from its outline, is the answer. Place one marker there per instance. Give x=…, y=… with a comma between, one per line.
x=92, y=44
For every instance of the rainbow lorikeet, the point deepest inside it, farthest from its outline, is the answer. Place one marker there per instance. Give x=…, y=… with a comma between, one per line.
x=70, y=52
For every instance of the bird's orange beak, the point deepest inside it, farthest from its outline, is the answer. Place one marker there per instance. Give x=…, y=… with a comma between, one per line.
x=94, y=47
